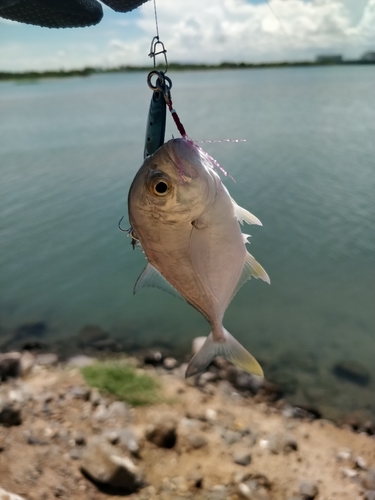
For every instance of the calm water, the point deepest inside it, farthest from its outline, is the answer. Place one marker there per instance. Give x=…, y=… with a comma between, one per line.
x=70, y=148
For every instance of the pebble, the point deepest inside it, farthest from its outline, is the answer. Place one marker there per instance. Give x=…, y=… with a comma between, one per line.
x=80, y=361
x=170, y=363
x=5, y=495
x=112, y=437
x=18, y=396
x=79, y=392
x=58, y=490
x=247, y=382
x=352, y=371
x=128, y=440
x=360, y=463
x=27, y=363
x=350, y=473
x=368, y=480
x=206, y=378
x=103, y=463
x=95, y=397
x=90, y=334
x=242, y=458
x=154, y=358
x=75, y=453
x=218, y=492
x=118, y=409
x=246, y=492
x=282, y=443
x=231, y=437
x=100, y=414
x=10, y=414
x=34, y=440
x=180, y=484
x=197, y=440
x=10, y=365
x=344, y=454
x=47, y=359
x=197, y=344
x=308, y=489
x=211, y=415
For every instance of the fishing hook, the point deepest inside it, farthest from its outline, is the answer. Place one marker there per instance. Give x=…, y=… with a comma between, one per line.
x=121, y=229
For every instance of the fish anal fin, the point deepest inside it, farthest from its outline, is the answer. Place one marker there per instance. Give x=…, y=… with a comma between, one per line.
x=251, y=268
x=243, y=215
x=230, y=349
x=151, y=277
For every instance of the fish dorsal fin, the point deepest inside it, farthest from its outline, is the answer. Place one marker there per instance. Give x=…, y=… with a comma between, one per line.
x=150, y=277
x=251, y=268
x=243, y=215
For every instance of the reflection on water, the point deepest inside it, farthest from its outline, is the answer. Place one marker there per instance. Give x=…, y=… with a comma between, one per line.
x=70, y=149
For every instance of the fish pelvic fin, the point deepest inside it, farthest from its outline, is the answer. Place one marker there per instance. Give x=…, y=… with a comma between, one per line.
x=229, y=348
x=151, y=277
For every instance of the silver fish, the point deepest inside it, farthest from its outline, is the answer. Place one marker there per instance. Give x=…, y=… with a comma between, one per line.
x=187, y=224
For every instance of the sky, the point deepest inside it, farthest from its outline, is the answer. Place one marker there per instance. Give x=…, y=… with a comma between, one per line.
x=198, y=31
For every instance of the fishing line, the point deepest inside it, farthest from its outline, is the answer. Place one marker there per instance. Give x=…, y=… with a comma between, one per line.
x=223, y=140
x=280, y=23
x=156, y=20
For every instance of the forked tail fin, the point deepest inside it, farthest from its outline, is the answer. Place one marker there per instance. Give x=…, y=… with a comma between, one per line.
x=230, y=349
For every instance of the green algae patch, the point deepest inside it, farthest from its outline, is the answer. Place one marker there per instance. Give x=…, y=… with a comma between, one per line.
x=122, y=381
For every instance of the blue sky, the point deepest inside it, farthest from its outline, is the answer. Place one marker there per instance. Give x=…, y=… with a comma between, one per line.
x=197, y=31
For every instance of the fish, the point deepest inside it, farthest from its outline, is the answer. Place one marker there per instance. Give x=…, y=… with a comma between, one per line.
x=188, y=226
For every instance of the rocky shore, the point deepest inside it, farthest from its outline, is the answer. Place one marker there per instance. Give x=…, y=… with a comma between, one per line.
x=221, y=435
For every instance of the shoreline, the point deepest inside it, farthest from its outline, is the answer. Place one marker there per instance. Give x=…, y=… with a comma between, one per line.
x=341, y=393
x=89, y=71
x=204, y=439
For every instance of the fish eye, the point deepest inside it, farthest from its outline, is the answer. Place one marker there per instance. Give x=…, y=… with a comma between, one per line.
x=161, y=187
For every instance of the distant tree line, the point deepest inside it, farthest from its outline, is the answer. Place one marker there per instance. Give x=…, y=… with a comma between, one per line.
x=368, y=58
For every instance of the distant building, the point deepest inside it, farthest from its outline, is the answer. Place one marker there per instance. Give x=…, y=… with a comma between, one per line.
x=329, y=58
x=369, y=56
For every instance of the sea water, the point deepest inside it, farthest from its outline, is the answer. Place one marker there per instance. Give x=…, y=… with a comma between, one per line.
x=69, y=149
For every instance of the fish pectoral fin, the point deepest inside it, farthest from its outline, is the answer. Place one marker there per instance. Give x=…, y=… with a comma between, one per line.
x=151, y=277
x=242, y=215
x=230, y=349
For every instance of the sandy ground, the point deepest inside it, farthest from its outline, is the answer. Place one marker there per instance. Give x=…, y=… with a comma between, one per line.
x=41, y=458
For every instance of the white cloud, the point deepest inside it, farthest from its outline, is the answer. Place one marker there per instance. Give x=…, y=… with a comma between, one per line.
x=238, y=30
x=211, y=31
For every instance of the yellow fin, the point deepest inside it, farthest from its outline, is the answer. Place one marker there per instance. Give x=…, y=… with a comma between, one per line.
x=229, y=348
